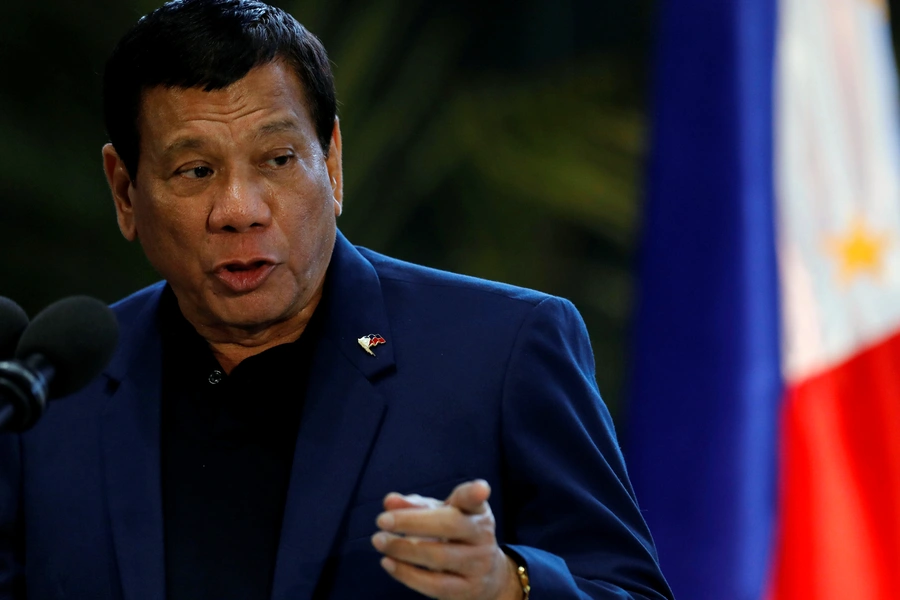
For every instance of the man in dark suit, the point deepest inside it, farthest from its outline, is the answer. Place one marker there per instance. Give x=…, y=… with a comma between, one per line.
x=288, y=416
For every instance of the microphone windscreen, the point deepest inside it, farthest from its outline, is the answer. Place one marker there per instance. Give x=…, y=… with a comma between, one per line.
x=13, y=322
x=76, y=335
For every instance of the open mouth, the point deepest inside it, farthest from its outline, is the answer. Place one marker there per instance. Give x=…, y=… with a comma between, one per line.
x=242, y=277
x=243, y=267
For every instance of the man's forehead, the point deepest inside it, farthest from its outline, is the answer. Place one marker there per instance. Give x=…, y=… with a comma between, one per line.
x=268, y=100
x=271, y=85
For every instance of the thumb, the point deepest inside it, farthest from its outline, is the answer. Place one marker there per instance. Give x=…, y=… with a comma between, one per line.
x=471, y=497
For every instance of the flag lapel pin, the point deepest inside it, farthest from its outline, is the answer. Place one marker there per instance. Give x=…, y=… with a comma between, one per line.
x=367, y=342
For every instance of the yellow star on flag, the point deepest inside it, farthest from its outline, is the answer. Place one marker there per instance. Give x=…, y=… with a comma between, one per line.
x=859, y=252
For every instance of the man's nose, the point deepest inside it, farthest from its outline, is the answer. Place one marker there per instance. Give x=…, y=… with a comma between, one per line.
x=240, y=206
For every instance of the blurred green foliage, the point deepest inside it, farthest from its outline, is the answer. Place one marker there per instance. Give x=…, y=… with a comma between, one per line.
x=502, y=140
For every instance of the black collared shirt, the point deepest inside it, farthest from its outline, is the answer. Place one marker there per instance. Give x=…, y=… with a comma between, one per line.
x=227, y=451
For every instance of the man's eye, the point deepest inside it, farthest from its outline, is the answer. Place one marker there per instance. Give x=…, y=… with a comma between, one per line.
x=280, y=161
x=197, y=173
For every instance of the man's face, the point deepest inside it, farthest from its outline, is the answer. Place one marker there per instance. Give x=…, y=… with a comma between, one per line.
x=234, y=203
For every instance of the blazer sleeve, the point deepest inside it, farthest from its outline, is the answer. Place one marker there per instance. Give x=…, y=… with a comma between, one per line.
x=570, y=514
x=11, y=536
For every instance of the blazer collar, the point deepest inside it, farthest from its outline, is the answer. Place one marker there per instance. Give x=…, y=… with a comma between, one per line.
x=341, y=419
x=138, y=332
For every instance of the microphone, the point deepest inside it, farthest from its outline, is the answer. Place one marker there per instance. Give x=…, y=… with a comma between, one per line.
x=13, y=322
x=60, y=352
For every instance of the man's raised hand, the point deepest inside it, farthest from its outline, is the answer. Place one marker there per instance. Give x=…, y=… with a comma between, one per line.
x=446, y=550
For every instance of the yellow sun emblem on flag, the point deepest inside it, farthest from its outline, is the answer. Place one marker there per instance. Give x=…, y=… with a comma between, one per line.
x=859, y=252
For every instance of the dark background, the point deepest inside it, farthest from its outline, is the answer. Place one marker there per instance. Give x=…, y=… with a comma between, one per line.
x=503, y=139
x=498, y=139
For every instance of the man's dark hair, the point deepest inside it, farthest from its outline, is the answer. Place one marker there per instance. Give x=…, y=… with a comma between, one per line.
x=209, y=44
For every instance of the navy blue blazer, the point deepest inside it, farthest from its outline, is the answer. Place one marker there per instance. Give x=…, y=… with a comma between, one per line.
x=476, y=379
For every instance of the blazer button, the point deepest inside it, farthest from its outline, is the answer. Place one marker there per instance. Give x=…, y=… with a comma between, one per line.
x=216, y=377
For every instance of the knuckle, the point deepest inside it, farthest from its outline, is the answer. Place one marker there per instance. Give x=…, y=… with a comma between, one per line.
x=485, y=520
x=472, y=567
x=485, y=526
x=470, y=561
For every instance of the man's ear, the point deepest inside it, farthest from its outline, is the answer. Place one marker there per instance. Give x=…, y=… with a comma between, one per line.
x=120, y=185
x=335, y=171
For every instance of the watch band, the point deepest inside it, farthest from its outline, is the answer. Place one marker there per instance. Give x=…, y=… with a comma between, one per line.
x=522, y=572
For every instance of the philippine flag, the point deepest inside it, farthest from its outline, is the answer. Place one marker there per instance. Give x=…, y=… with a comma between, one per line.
x=764, y=432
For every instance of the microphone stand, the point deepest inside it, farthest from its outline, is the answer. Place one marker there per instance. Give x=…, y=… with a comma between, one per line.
x=24, y=386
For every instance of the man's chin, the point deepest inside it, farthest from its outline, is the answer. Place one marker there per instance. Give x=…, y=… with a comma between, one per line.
x=249, y=316
x=276, y=305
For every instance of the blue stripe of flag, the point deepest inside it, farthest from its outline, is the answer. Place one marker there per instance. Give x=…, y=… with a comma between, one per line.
x=707, y=380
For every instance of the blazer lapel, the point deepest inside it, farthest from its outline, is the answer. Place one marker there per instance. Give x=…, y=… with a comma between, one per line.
x=130, y=430
x=343, y=413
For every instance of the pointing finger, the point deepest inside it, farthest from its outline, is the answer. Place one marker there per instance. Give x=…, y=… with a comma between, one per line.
x=395, y=501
